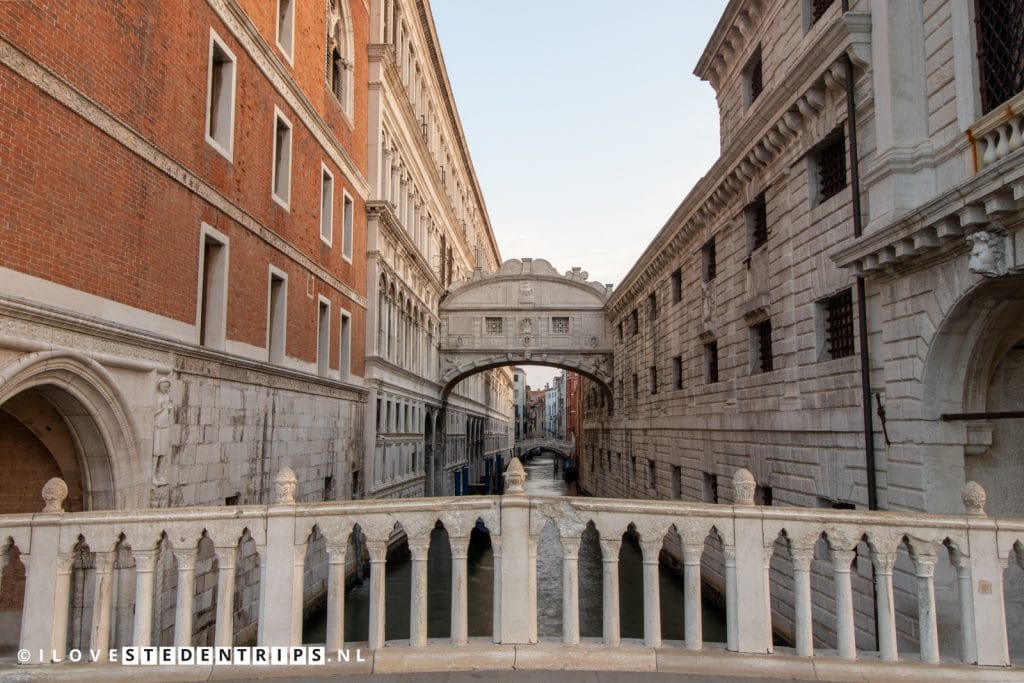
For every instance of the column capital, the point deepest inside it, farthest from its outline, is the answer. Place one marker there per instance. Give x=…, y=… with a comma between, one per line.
x=651, y=550
x=227, y=556
x=145, y=560
x=378, y=551
x=924, y=565
x=610, y=549
x=419, y=549
x=692, y=554
x=802, y=557
x=336, y=554
x=883, y=562
x=842, y=559
x=186, y=559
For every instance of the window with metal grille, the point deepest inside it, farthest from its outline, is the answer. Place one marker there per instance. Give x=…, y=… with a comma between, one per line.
x=708, y=265
x=838, y=311
x=818, y=9
x=677, y=372
x=653, y=374
x=560, y=325
x=620, y=330
x=677, y=285
x=761, y=338
x=1000, y=29
x=711, y=361
x=493, y=325
x=636, y=386
x=757, y=222
x=830, y=162
x=754, y=76
x=652, y=306
x=634, y=318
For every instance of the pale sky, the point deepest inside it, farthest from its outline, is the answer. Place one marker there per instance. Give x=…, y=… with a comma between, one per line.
x=584, y=120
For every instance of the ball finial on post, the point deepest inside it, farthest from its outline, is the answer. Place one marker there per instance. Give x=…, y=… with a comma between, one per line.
x=284, y=487
x=974, y=498
x=743, y=485
x=54, y=493
x=515, y=475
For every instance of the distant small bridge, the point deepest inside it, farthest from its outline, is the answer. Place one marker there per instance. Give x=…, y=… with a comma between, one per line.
x=566, y=448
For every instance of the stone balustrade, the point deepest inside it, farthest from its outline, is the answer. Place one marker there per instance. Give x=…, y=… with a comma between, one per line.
x=746, y=535
x=999, y=133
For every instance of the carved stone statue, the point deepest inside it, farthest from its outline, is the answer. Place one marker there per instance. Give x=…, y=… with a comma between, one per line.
x=526, y=295
x=528, y=326
x=987, y=254
x=162, y=421
x=706, y=301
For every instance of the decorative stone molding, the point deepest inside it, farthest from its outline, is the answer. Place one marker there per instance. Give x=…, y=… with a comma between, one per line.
x=974, y=498
x=999, y=133
x=54, y=493
x=988, y=253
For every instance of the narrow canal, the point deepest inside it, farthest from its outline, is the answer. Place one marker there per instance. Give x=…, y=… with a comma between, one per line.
x=542, y=480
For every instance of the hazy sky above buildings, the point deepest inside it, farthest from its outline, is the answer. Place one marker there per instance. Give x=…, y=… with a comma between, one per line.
x=585, y=122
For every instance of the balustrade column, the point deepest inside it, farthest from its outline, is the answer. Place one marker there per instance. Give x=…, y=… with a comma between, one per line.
x=692, y=614
x=145, y=565
x=186, y=590
x=460, y=615
x=62, y=598
x=531, y=586
x=378, y=556
x=652, y=594
x=418, y=597
x=731, y=599
x=610, y=575
x=802, y=599
x=496, y=604
x=335, y=637
x=846, y=637
x=885, y=607
x=102, y=593
x=924, y=570
x=571, y=590
x=224, y=631
x=968, y=647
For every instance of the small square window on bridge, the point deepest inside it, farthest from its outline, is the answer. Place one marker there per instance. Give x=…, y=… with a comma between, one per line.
x=560, y=325
x=493, y=325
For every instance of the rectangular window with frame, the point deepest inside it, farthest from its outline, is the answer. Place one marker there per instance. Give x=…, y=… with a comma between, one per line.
x=286, y=27
x=652, y=374
x=652, y=474
x=652, y=307
x=347, y=226
x=326, y=205
x=277, y=316
x=560, y=325
x=213, y=289
x=710, y=488
x=837, y=316
x=761, y=346
x=830, y=165
x=677, y=372
x=634, y=322
x=345, y=346
x=323, y=337
x=220, y=98
x=757, y=223
x=282, y=169
x=818, y=9
x=753, y=77
x=1000, y=32
x=493, y=325
x=636, y=386
x=620, y=331
x=709, y=263
x=711, y=362
x=677, y=285
x=677, y=483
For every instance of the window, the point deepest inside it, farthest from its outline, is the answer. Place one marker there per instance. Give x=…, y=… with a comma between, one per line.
x=636, y=386
x=652, y=307
x=285, y=27
x=653, y=374
x=837, y=312
x=493, y=325
x=753, y=77
x=277, y=310
x=830, y=165
x=711, y=362
x=634, y=321
x=282, y=171
x=323, y=336
x=220, y=97
x=763, y=495
x=339, y=66
x=677, y=372
x=620, y=330
x=326, y=205
x=1000, y=50
x=213, y=288
x=651, y=474
x=818, y=9
x=677, y=482
x=347, y=217
x=709, y=266
x=560, y=325
x=761, y=346
x=677, y=285
x=710, y=488
x=757, y=223
x=345, y=344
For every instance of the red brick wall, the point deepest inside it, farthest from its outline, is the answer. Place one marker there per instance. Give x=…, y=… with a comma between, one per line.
x=81, y=210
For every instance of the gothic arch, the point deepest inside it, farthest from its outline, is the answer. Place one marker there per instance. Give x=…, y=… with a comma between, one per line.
x=91, y=406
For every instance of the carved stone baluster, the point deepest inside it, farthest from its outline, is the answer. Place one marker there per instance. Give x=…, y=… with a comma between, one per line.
x=731, y=599
x=186, y=590
x=845, y=633
x=924, y=570
x=100, y=631
x=571, y=590
x=532, y=542
x=802, y=557
x=968, y=645
x=145, y=564
x=496, y=608
x=610, y=574
x=652, y=596
x=224, y=630
x=418, y=592
x=378, y=556
x=885, y=607
x=692, y=614
x=460, y=615
x=336, y=596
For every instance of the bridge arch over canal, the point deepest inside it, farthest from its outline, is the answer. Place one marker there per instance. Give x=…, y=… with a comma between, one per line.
x=526, y=313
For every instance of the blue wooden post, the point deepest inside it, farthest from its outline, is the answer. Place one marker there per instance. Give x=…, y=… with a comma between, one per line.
x=465, y=480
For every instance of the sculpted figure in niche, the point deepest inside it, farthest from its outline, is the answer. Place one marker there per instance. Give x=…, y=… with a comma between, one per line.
x=528, y=326
x=526, y=293
x=162, y=421
x=987, y=257
x=708, y=304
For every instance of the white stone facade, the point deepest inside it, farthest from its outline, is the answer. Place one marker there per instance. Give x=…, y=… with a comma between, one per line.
x=756, y=363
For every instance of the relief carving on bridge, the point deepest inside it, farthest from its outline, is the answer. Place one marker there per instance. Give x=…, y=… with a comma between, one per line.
x=525, y=312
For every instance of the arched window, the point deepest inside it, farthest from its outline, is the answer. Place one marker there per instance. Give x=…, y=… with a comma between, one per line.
x=339, y=55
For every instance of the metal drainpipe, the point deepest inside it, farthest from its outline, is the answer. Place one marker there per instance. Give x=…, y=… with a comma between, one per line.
x=862, y=310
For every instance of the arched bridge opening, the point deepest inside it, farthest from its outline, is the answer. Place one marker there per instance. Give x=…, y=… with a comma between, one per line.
x=526, y=313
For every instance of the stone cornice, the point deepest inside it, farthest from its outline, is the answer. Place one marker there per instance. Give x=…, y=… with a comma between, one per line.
x=775, y=124
x=731, y=34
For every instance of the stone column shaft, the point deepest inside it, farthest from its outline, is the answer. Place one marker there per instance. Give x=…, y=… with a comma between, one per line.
x=378, y=556
x=145, y=564
x=845, y=633
x=802, y=600
x=652, y=594
x=224, y=633
x=102, y=593
x=418, y=596
x=186, y=591
x=460, y=591
x=570, y=590
x=335, y=637
x=610, y=576
x=885, y=608
x=692, y=613
x=926, y=619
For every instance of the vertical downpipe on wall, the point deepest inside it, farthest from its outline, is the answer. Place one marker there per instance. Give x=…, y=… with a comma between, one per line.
x=862, y=309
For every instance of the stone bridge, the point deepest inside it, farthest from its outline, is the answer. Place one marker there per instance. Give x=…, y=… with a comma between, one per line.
x=741, y=532
x=566, y=448
x=525, y=313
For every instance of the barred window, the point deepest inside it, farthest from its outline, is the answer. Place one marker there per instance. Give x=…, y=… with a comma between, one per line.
x=761, y=341
x=757, y=222
x=560, y=325
x=620, y=330
x=818, y=9
x=754, y=77
x=652, y=307
x=634, y=318
x=493, y=325
x=677, y=285
x=838, y=312
x=711, y=362
x=636, y=386
x=677, y=372
x=653, y=374
x=1000, y=26
x=709, y=265
x=830, y=162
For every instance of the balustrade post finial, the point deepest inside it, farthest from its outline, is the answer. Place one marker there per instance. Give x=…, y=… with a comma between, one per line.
x=743, y=486
x=284, y=487
x=974, y=498
x=515, y=475
x=54, y=493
